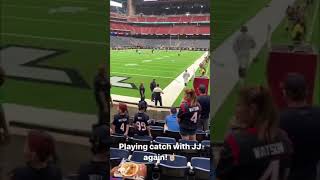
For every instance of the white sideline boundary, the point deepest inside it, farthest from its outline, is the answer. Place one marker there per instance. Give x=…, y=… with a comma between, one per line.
x=49, y=117
x=171, y=92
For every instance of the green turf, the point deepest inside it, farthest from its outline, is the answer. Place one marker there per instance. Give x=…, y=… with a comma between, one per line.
x=164, y=66
x=256, y=75
x=81, y=34
x=228, y=16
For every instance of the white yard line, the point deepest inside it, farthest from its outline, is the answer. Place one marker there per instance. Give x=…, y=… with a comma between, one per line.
x=49, y=117
x=54, y=39
x=171, y=92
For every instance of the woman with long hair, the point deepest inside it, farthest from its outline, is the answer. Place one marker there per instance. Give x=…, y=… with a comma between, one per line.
x=188, y=115
x=255, y=148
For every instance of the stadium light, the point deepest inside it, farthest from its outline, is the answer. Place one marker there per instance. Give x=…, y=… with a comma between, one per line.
x=115, y=4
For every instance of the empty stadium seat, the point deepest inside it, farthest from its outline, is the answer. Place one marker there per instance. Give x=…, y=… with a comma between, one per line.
x=156, y=131
x=165, y=140
x=173, y=134
x=143, y=140
x=116, y=156
x=139, y=157
x=116, y=139
x=201, y=167
x=160, y=123
x=206, y=143
x=206, y=150
x=174, y=168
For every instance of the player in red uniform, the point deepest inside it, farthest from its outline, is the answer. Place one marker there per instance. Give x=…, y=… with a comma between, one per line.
x=188, y=115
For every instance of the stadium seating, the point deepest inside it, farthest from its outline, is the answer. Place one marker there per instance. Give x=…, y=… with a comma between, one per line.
x=116, y=139
x=138, y=156
x=189, y=153
x=173, y=134
x=205, y=143
x=171, y=19
x=201, y=167
x=116, y=156
x=118, y=41
x=143, y=140
x=159, y=123
x=176, y=167
x=164, y=140
x=156, y=131
x=161, y=30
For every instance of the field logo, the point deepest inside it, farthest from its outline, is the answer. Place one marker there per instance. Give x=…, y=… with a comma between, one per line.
x=117, y=81
x=24, y=63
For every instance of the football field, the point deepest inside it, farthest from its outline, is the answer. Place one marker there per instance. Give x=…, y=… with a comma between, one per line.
x=56, y=45
x=257, y=70
x=130, y=68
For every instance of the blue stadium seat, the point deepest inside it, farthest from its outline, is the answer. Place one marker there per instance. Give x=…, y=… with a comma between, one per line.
x=116, y=139
x=159, y=123
x=189, y=153
x=174, y=168
x=116, y=156
x=165, y=140
x=156, y=131
x=143, y=140
x=189, y=142
x=138, y=156
x=208, y=135
x=206, y=143
x=201, y=167
x=173, y=134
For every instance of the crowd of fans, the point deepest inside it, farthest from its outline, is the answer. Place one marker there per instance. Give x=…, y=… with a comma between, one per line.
x=296, y=20
x=193, y=115
x=265, y=144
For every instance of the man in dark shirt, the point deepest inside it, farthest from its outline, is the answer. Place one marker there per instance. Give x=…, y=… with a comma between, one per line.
x=153, y=85
x=302, y=124
x=101, y=87
x=204, y=101
x=98, y=168
x=141, y=121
